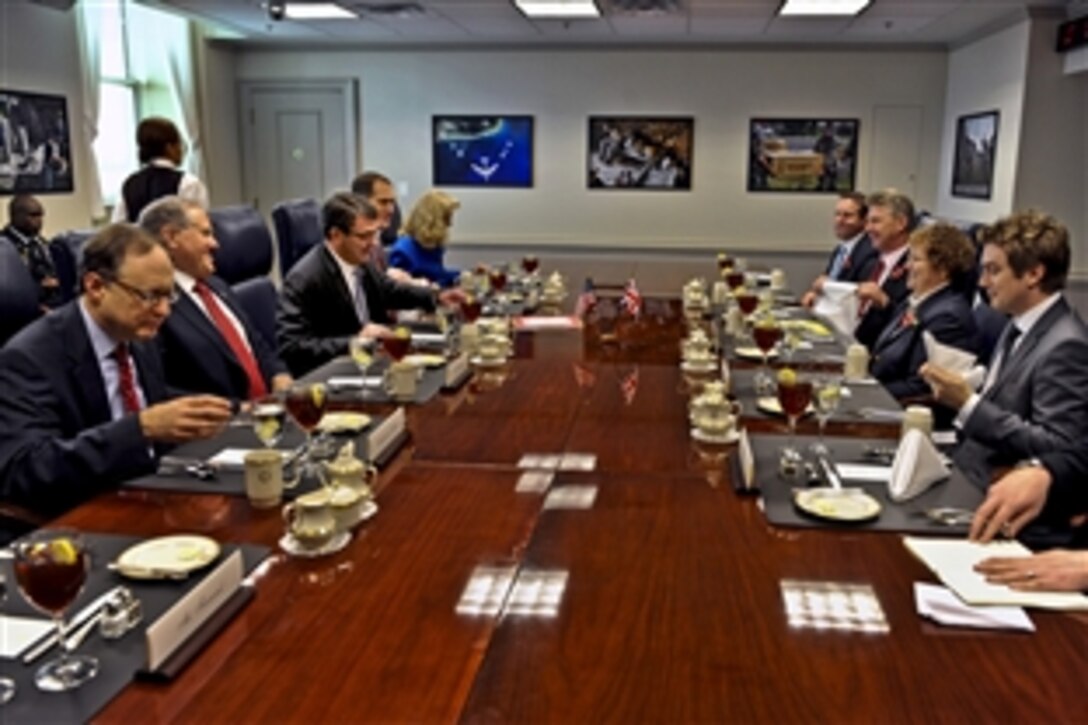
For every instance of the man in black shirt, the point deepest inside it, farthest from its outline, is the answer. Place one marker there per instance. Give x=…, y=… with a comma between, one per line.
x=24, y=232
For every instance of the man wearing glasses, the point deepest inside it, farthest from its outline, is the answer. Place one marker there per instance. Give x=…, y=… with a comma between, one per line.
x=84, y=404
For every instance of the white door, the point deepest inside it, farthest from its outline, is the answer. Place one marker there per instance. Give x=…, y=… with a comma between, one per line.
x=298, y=140
x=897, y=133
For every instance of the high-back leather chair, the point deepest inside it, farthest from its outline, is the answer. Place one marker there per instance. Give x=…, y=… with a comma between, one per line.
x=67, y=251
x=245, y=244
x=258, y=298
x=298, y=227
x=18, y=293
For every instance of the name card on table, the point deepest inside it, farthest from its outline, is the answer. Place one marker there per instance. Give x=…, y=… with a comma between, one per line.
x=385, y=434
x=173, y=628
x=456, y=371
x=747, y=461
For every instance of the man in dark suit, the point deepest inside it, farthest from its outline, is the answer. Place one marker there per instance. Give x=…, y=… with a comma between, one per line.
x=854, y=252
x=333, y=294
x=1035, y=396
x=24, y=233
x=884, y=286
x=208, y=343
x=83, y=405
x=940, y=258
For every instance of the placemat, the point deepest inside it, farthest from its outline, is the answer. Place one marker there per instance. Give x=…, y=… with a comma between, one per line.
x=909, y=517
x=851, y=408
x=118, y=660
x=428, y=386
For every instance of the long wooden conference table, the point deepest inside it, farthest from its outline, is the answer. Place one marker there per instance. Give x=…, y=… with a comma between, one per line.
x=669, y=604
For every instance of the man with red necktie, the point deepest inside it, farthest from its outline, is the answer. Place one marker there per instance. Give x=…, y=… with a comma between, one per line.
x=85, y=403
x=208, y=343
x=889, y=223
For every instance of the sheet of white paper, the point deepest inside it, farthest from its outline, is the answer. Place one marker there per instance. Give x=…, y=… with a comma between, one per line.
x=942, y=606
x=18, y=633
x=864, y=472
x=953, y=561
x=232, y=457
x=355, y=381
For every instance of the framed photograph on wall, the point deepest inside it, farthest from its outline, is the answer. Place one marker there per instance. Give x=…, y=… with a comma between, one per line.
x=976, y=146
x=802, y=154
x=35, y=144
x=637, y=152
x=482, y=151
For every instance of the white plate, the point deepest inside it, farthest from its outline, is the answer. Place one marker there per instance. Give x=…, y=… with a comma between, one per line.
x=773, y=407
x=343, y=422
x=424, y=360
x=290, y=544
x=837, y=504
x=731, y=437
x=496, y=362
x=754, y=353
x=167, y=557
x=699, y=366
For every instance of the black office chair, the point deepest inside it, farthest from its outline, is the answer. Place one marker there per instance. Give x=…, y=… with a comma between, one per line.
x=67, y=251
x=259, y=299
x=245, y=244
x=18, y=294
x=298, y=227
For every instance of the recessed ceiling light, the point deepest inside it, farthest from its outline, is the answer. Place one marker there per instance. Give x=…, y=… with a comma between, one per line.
x=318, y=11
x=558, y=8
x=822, y=7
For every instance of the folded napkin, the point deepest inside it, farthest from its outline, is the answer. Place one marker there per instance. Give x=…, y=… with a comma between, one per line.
x=917, y=466
x=839, y=304
x=942, y=606
x=951, y=358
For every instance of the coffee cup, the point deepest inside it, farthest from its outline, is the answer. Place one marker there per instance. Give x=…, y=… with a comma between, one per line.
x=264, y=478
x=470, y=337
x=857, y=362
x=778, y=279
x=401, y=380
x=734, y=321
x=493, y=347
x=720, y=292
x=310, y=520
x=917, y=417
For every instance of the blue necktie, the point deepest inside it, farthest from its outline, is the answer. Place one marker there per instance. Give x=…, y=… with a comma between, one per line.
x=836, y=263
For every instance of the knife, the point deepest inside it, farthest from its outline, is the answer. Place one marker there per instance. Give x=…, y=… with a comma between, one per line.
x=82, y=616
x=829, y=471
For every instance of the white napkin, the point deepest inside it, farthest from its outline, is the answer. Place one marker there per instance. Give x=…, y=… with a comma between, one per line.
x=18, y=633
x=839, y=304
x=916, y=467
x=942, y=606
x=954, y=359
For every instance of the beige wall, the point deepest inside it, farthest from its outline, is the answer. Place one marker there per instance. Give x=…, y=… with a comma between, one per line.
x=39, y=53
x=721, y=89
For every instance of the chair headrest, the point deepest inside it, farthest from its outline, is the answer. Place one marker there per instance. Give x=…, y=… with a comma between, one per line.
x=245, y=244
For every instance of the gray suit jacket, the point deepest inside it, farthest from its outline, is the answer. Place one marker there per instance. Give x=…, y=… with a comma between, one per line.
x=1039, y=402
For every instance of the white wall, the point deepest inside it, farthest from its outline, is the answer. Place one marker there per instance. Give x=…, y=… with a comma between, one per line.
x=39, y=52
x=219, y=110
x=400, y=91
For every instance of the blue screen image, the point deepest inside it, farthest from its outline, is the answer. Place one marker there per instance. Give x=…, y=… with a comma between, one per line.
x=483, y=151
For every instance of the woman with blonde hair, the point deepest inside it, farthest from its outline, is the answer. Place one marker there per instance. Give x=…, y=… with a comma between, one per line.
x=421, y=247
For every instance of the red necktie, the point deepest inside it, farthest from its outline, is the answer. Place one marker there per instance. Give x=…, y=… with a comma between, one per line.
x=234, y=340
x=130, y=400
x=874, y=277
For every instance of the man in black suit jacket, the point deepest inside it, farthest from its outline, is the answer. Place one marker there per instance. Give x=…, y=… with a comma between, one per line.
x=854, y=252
x=333, y=294
x=940, y=257
x=24, y=233
x=1035, y=396
x=888, y=224
x=82, y=408
x=208, y=343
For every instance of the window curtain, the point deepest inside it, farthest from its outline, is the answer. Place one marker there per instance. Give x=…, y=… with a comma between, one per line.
x=180, y=56
x=88, y=23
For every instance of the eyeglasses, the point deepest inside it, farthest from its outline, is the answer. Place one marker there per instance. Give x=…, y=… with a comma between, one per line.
x=149, y=298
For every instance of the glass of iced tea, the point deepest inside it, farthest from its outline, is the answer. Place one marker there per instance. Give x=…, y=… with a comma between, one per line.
x=471, y=308
x=734, y=279
x=724, y=261
x=767, y=334
x=51, y=568
x=497, y=277
x=529, y=263
x=794, y=395
x=396, y=346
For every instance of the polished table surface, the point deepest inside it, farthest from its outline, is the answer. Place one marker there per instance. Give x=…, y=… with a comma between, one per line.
x=672, y=609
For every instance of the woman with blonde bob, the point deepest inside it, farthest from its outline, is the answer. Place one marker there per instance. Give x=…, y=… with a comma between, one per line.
x=421, y=247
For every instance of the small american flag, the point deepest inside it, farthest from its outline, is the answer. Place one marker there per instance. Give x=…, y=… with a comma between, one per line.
x=629, y=386
x=586, y=300
x=632, y=299
x=584, y=376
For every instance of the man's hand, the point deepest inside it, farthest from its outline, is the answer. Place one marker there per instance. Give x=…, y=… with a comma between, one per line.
x=452, y=297
x=949, y=388
x=192, y=417
x=872, y=293
x=281, y=382
x=1011, y=503
x=1055, y=571
x=374, y=331
x=808, y=299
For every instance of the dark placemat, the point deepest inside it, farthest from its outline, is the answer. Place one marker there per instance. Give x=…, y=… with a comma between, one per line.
x=428, y=386
x=118, y=660
x=862, y=396
x=907, y=517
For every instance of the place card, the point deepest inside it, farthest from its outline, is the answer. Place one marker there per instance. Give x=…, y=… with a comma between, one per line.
x=747, y=460
x=456, y=371
x=173, y=628
x=355, y=381
x=571, y=498
x=385, y=435
x=534, y=482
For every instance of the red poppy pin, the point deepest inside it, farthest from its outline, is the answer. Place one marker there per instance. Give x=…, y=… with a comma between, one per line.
x=908, y=320
x=898, y=272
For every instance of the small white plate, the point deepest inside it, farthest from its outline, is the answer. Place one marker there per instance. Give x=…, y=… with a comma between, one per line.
x=291, y=545
x=731, y=437
x=699, y=366
x=496, y=362
x=343, y=422
x=166, y=557
x=837, y=504
x=425, y=360
x=773, y=407
x=754, y=353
